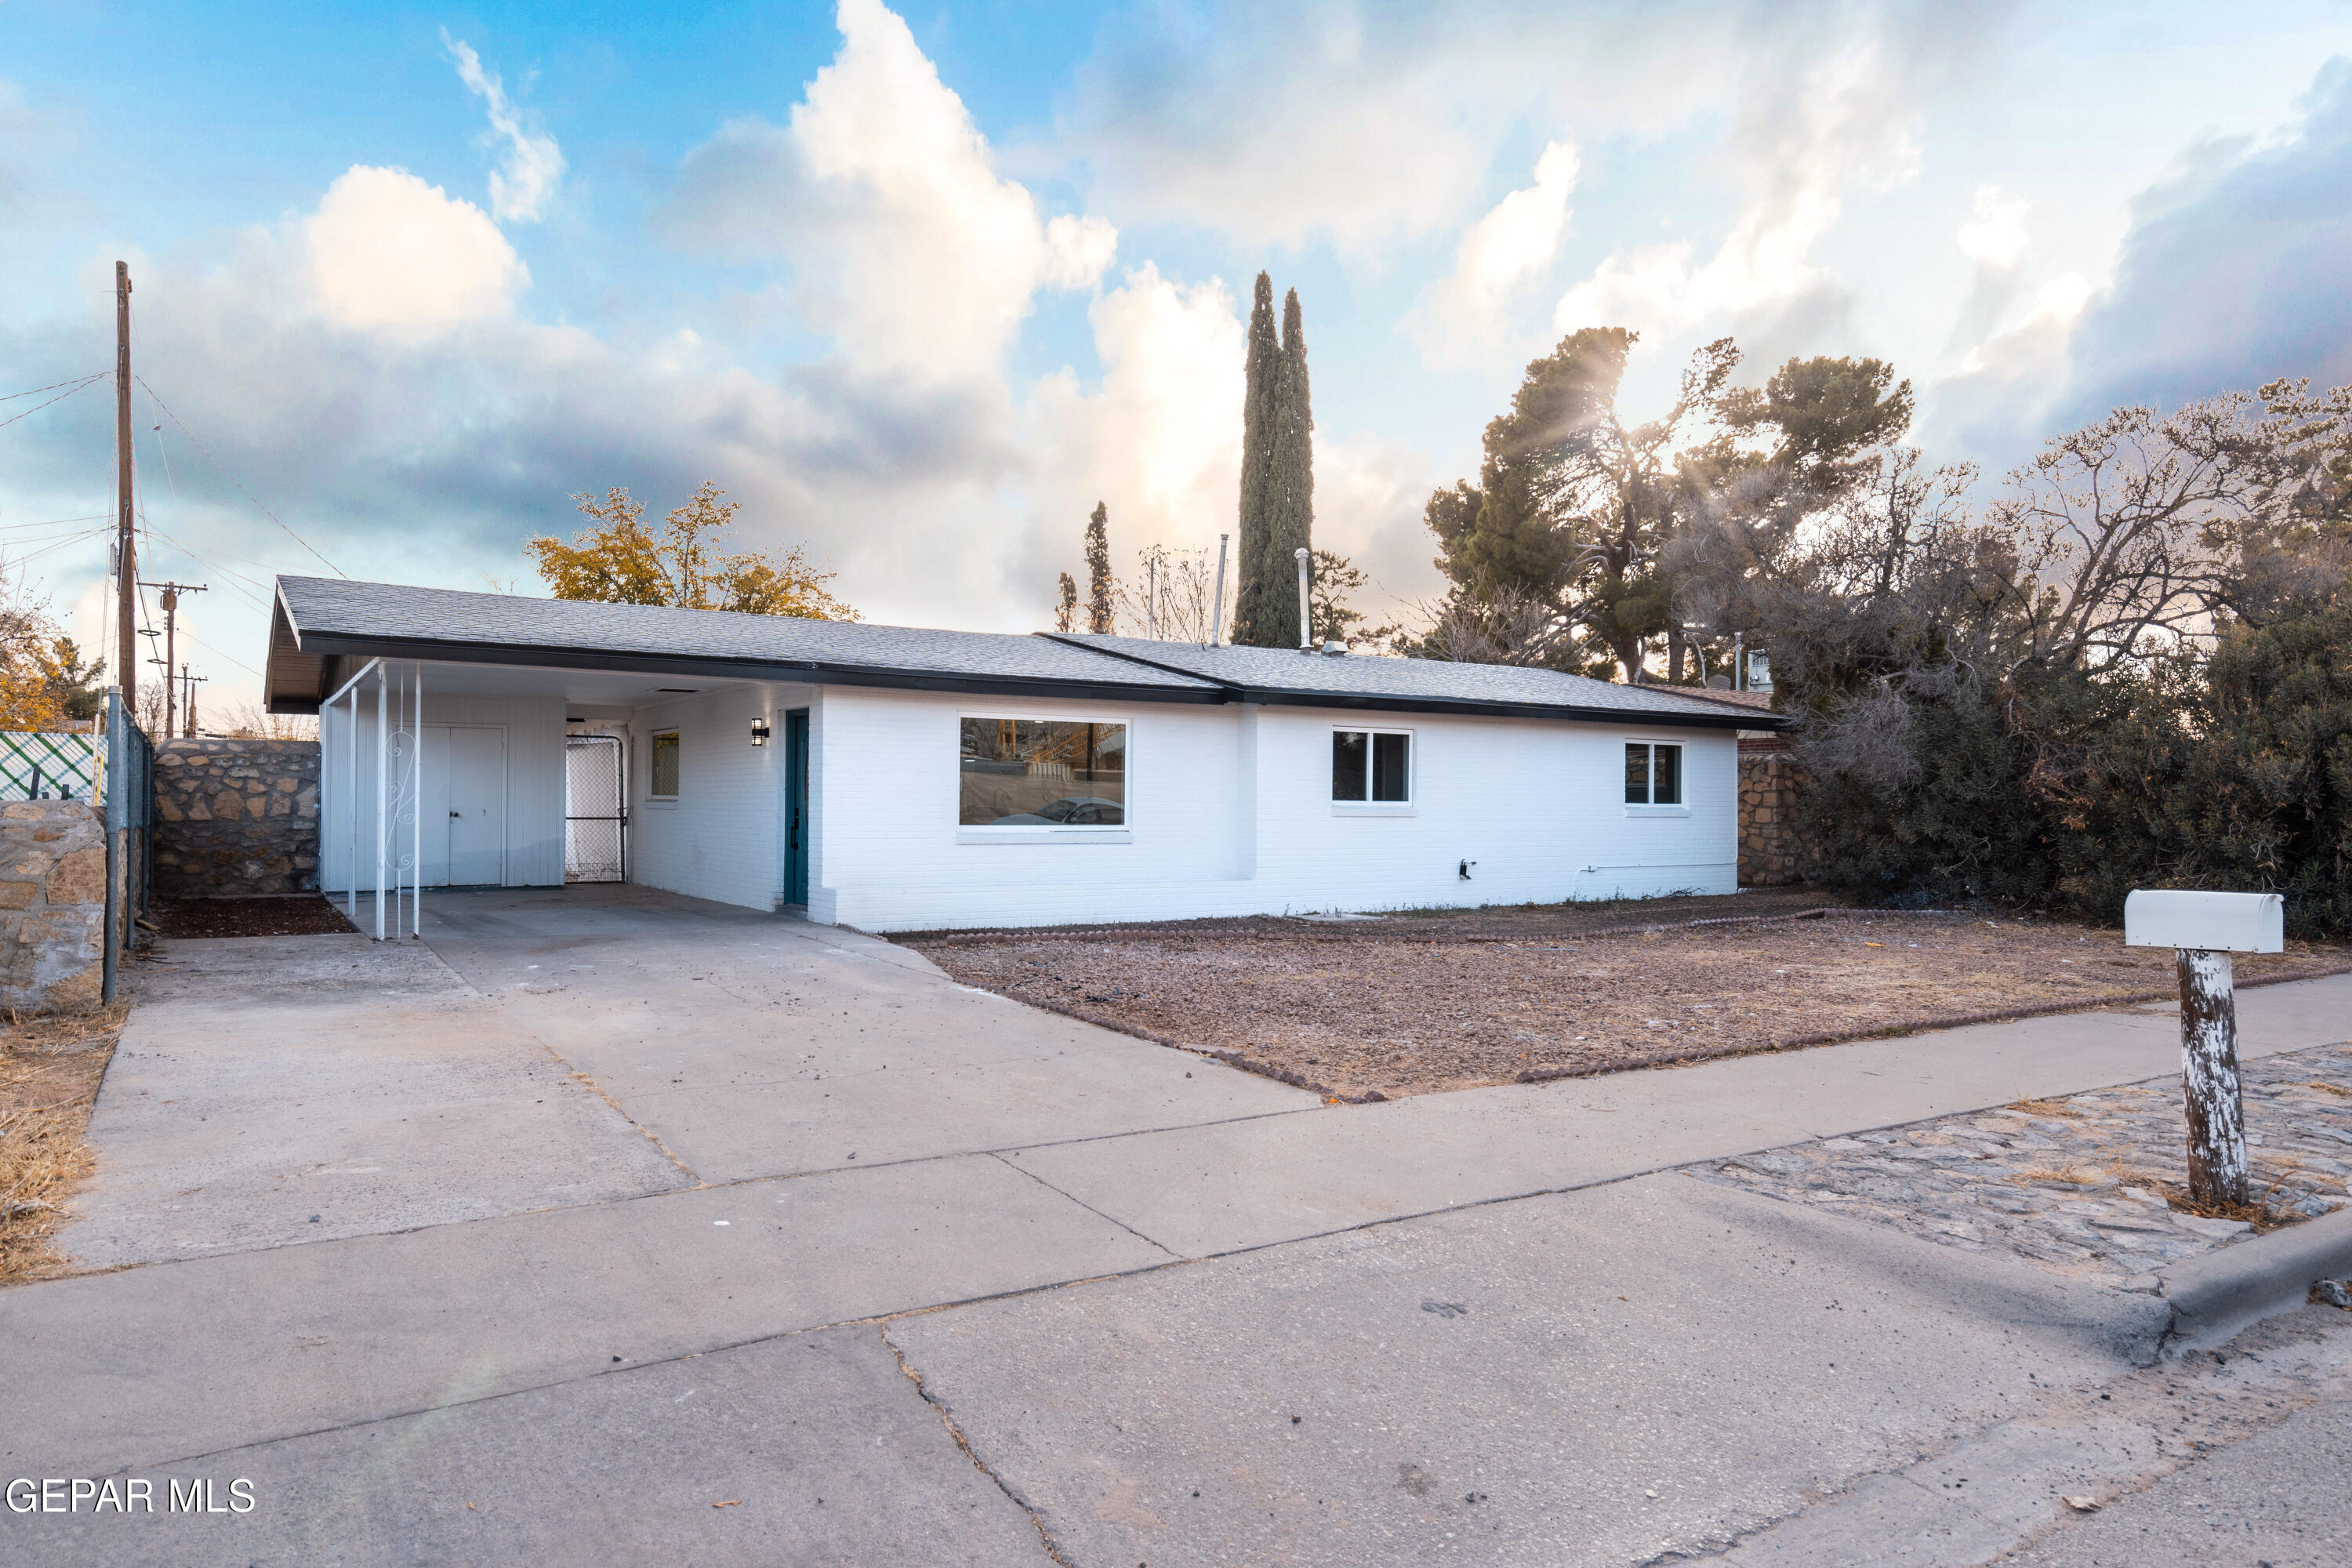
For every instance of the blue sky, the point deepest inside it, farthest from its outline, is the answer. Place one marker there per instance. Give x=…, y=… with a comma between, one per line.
x=919, y=286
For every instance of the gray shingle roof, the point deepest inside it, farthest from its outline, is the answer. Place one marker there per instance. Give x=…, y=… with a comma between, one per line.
x=322, y=619
x=1354, y=680
x=341, y=616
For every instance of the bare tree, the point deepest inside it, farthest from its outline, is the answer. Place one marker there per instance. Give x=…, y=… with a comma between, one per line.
x=1185, y=584
x=250, y=722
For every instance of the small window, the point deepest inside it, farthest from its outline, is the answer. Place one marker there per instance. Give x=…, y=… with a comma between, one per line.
x=665, y=763
x=1653, y=774
x=1372, y=766
x=1038, y=773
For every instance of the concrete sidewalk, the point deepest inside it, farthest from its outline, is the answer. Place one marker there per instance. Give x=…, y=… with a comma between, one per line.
x=1026, y=1152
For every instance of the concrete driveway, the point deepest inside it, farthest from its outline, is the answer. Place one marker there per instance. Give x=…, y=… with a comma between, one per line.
x=655, y=1231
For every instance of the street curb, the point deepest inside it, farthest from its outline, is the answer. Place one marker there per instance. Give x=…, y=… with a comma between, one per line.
x=2214, y=1296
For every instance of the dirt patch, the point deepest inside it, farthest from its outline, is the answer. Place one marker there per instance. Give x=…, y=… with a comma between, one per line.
x=248, y=917
x=49, y=1072
x=1414, y=1004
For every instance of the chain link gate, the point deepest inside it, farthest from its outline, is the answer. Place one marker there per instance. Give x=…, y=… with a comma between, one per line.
x=595, y=822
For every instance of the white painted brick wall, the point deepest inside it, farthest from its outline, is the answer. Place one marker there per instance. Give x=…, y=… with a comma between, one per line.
x=1229, y=806
x=1538, y=806
x=721, y=838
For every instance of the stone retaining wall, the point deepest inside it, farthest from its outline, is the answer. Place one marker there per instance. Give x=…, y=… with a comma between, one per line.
x=235, y=818
x=1771, y=851
x=52, y=904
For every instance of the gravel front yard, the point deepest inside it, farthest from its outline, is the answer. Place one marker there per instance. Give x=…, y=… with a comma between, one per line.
x=2093, y=1186
x=1407, y=1005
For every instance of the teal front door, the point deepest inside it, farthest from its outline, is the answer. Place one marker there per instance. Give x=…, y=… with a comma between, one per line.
x=796, y=750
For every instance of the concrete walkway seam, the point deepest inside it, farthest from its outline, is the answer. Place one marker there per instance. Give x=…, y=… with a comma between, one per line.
x=2215, y=1296
x=1053, y=1548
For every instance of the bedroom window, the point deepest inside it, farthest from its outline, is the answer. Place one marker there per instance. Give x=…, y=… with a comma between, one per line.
x=1653, y=774
x=664, y=781
x=1042, y=773
x=1373, y=766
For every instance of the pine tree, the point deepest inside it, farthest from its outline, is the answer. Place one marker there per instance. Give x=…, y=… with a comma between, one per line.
x=1258, y=615
x=1065, y=607
x=1290, y=516
x=1098, y=584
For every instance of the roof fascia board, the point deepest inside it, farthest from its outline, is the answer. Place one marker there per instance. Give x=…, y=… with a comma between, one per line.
x=805, y=671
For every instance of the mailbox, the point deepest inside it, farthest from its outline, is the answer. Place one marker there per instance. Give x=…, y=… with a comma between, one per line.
x=2205, y=923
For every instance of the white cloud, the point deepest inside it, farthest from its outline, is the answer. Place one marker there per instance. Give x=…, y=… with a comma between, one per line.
x=387, y=253
x=1078, y=250
x=1805, y=136
x=532, y=164
x=1500, y=256
x=1278, y=124
x=1159, y=441
x=906, y=243
x=1994, y=235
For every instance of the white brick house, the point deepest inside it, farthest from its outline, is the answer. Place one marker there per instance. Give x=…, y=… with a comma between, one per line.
x=892, y=778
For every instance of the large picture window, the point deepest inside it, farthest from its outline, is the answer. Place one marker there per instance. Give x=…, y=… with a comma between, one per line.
x=1373, y=766
x=1653, y=774
x=1042, y=773
x=665, y=779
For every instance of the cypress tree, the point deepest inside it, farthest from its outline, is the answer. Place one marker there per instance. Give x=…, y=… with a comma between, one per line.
x=1099, y=606
x=1290, y=516
x=1258, y=616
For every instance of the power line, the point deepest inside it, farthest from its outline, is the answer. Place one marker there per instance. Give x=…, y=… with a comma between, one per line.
x=61, y=397
x=12, y=397
x=232, y=479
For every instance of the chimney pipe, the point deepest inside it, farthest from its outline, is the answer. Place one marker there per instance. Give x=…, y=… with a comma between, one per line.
x=1306, y=628
x=1217, y=611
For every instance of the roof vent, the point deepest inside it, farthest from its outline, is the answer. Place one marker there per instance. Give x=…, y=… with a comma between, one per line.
x=1334, y=647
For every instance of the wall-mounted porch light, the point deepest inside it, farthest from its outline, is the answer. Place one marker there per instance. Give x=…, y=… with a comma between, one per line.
x=759, y=732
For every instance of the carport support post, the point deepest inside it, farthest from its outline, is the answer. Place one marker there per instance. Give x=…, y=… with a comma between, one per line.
x=416, y=818
x=352, y=794
x=382, y=749
x=2208, y=1079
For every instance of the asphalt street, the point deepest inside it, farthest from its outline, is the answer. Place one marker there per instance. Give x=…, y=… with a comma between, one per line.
x=656, y=1232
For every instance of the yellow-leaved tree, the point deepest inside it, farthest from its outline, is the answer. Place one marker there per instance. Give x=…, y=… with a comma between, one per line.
x=619, y=561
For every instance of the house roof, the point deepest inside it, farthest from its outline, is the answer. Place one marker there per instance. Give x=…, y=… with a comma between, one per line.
x=1423, y=685
x=321, y=625
x=319, y=619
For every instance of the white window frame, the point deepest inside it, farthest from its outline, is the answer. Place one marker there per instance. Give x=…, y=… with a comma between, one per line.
x=653, y=749
x=981, y=833
x=1682, y=772
x=1411, y=805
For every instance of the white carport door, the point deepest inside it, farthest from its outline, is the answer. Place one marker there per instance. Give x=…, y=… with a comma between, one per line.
x=464, y=824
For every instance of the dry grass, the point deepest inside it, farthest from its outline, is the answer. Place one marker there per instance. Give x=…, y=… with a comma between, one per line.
x=2334, y=1088
x=50, y=1068
x=2044, y=1108
x=1419, y=1002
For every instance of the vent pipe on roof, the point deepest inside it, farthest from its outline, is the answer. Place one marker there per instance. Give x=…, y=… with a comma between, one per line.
x=1305, y=630
x=1217, y=609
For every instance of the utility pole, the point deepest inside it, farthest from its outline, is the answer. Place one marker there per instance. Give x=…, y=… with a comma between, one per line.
x=191, y=682
x=171, y=603
x=126, y=647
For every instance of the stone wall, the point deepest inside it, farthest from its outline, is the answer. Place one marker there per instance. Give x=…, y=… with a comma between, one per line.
x=52, y=904
x=1771, y=852
x=235, y=818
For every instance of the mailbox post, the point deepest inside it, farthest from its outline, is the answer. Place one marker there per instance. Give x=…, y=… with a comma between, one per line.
x=2205, y=929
